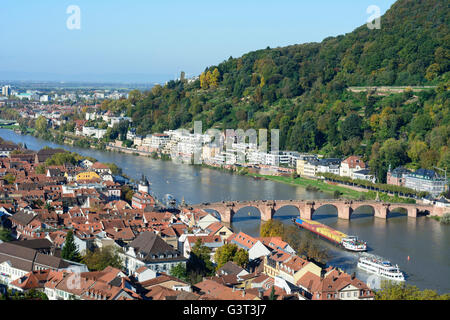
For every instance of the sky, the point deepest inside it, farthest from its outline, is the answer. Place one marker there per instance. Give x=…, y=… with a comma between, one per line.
x=153, y=41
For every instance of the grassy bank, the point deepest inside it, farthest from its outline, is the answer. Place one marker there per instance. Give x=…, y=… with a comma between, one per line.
x=319, y=185
x=345, y=193
x=7, y=126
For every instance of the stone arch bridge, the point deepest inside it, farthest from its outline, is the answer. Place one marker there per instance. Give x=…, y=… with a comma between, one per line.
x=267, y=208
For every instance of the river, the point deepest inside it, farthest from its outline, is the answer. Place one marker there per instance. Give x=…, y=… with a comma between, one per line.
x=424, y=240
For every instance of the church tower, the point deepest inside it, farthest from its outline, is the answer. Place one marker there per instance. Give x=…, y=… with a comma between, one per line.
x=144, y=185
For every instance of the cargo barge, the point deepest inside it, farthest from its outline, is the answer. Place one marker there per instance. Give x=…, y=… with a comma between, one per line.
x=339, y=238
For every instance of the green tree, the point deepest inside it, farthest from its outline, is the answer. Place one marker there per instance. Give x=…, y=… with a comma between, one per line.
x=241, y=257
x=199, y=262
x=351, y=127
x=41, y=124
x=5, y=234
x=41, y=169
x=445, y=219
x=180, y=272
x=70, y=250
x=9, y=178
x=100, y=258
x=231, y=252
x=272, y=294
x=416, y=150
x=225, y=253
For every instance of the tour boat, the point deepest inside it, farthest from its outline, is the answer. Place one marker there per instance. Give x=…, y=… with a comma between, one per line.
x=353, y=244
x=381, y=267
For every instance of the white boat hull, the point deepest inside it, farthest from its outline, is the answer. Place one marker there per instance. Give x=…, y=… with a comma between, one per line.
x=379, y=272
x=355, y=249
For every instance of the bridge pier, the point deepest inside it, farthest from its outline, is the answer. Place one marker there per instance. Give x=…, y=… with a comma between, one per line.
x=227, y=215
x=267, y=213
x=306, y=211
x=381, y=211
x=344, y=212
x=412, y=212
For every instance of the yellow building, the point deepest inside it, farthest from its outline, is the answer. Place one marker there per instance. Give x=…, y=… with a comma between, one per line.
x=310, y=267
x=301, y=167
x=89, y=175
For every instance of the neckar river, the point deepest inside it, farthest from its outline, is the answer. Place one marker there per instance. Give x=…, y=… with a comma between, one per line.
x=424, y=240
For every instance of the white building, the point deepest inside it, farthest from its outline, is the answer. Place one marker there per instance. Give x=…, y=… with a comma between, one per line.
x=45, y=98
x=364, y=175
x=6, y=90
x=159, y=140
x=93, y=132
x=350, y=165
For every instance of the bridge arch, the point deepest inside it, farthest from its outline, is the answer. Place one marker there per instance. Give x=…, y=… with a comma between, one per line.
x=362, y=211
x=286, y=210
x=329, y=207
x=402, y=210
x=247, y=212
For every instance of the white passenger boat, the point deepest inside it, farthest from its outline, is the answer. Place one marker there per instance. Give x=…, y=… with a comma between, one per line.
x=353, y=244
x=381, y=267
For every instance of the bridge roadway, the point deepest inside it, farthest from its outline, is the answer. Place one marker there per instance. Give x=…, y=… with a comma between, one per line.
x=306, y=208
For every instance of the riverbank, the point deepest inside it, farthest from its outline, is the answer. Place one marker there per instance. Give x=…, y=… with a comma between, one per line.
x=344, y=192
x=319, y=185
x=335, y=190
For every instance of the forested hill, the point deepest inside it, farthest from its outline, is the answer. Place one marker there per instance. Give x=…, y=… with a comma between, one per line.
x=301, y=90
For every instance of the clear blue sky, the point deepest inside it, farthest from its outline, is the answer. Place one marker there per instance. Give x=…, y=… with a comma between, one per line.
x=128, y=40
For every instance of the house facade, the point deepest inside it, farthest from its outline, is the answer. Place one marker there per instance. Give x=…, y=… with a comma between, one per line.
x=149, y=250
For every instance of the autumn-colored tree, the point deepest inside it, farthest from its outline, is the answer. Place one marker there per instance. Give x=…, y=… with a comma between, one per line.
x=208, y=78
x=203, y=81
x=263, y=82
x=401, y=291
x=214, y=81
x=272, y=228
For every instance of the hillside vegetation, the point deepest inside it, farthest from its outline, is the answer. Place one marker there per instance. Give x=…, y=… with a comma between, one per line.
x=301, y=90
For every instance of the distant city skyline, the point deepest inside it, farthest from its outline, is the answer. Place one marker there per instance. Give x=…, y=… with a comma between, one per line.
x=148, y=41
